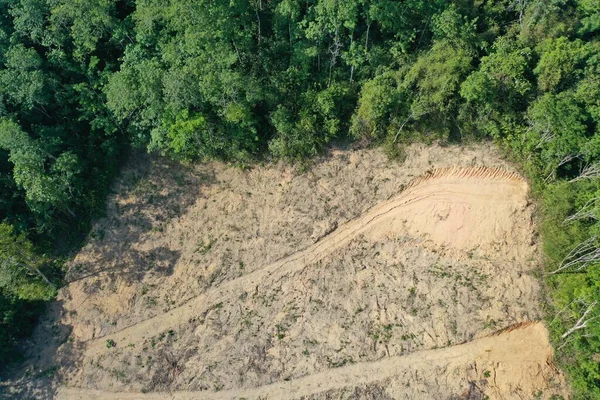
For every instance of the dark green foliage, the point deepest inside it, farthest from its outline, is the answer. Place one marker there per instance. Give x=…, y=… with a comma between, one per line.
x=59, y=144
x=497, y=93
x=24, y=286
x=81, y=81
x=17, y=319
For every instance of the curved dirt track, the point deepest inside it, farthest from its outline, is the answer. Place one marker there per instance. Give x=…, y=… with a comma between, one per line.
x=360, y=278
x=500, y=366
x=462, y=195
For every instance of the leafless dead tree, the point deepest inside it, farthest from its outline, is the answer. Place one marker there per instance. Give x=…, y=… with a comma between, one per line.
x=257, y=8
x=571, y=340
x=546, y=136
x=334, y=50
x=566, y=159
x=590, y=171
x=520, y=6
x=28, y=265
x=562, y=162
x=583, y=321
x=581, y=256
x=588, y=211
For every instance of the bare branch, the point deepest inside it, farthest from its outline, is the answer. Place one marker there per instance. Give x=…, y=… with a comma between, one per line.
x=589, y=210
x=334, y=50
x=560, y=312
x=571, y=341
x=581, y=322
x=581, y=256
x=29, y=267
x=566, y=159
x=550, y=176
x=546, y=136
x=520, y=6
x=591, y=171
x=566, y=343
x=562, y=162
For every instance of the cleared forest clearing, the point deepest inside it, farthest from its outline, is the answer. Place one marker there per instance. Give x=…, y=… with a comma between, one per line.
x=358, y=278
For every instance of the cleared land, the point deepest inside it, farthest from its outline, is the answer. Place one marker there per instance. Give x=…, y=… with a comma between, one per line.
x=358, y=278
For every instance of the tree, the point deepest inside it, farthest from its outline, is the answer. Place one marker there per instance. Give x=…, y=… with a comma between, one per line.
x=590, y=21
x=46, y=187
x=23, y=81
x=558, y=61
x=84, y=22
x=21, y=269
x=381, y=105
x=557, y=131
x=23, y=289
x=434, y=80
x=29, y=18
x=497, y=93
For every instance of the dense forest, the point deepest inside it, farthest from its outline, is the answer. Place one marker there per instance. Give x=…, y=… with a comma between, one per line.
x=82, y=82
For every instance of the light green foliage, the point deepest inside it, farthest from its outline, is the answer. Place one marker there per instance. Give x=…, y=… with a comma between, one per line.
x=452, y=26
x=168, y=76
x=22, y=79
x=572, y=292
x=544, y=19
x=135, y=94
x=423, y=96
x=435, y=79
x=590, y=21
x=403, y=22
x=558, y=60
x=588, y=87
x=303, y=134
x=497, y=91
x=557, y=130
x=379, y=104
x=29, y=17
x=503, y=72
x=185, y=136
x=85, y=22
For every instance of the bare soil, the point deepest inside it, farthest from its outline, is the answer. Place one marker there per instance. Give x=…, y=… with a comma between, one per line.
x=359, y=278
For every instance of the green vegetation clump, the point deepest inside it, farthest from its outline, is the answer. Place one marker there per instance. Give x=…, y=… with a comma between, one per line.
x=83, y=82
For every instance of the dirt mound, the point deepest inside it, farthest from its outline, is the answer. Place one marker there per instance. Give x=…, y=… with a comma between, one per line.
x=463, y=208
x=219, y=281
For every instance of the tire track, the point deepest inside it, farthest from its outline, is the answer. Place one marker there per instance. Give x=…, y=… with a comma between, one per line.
x=328, y=244
x=525, y=347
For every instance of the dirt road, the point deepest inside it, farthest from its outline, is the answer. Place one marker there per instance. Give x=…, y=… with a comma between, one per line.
x=498, y=366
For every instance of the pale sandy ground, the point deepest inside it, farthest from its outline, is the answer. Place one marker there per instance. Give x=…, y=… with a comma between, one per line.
x=351, y=280
x=497, y=365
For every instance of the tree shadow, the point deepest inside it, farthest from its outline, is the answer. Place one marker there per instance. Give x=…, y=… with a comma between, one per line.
x=149, y=193
x=158, y=261
x=36, y=377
